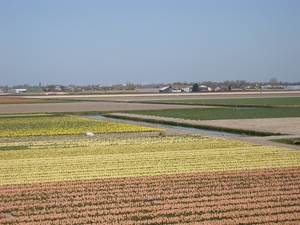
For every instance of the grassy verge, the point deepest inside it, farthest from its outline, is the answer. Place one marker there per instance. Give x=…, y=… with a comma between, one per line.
x=290, y=141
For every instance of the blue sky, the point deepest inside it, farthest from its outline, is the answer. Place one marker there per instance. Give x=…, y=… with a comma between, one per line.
x=148, y=41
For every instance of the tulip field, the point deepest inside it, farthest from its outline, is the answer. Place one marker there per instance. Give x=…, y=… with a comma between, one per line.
x=179, y=179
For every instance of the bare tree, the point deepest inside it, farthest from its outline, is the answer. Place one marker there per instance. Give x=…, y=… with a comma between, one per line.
x=273, y=81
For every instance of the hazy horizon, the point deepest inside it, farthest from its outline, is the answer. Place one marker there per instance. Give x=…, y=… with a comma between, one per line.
x=160, y=41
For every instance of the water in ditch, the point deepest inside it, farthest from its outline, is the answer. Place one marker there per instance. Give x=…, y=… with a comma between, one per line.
x=196, y=130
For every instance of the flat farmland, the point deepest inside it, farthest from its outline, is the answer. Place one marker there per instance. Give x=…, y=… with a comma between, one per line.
x=161, y=178
x=119, y=102
x=155, y=180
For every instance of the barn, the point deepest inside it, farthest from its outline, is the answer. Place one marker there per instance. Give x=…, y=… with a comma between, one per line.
x=166, y=89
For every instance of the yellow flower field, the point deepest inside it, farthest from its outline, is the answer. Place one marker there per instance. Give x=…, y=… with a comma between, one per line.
x=44, y=125
x=87, y=159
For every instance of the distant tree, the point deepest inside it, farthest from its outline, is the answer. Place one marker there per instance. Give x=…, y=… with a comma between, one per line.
x=195, y=87
x=273, y=81
x=225, y=84
x=208, y=83
x=51, y=87
x=243, y=82
x=76, y=89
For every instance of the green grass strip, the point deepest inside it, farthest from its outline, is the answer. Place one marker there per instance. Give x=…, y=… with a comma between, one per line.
x=289, y=141
x=222, y=113
x=246, y=102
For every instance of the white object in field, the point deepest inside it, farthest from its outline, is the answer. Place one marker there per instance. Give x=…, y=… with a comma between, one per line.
x=89, y=134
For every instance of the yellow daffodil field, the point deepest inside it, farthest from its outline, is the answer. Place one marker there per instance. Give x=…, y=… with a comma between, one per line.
x=156, y=179
x=87, y=159
x=45, y=125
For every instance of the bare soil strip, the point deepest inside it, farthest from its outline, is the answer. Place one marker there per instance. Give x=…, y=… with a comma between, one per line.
x=82, y=107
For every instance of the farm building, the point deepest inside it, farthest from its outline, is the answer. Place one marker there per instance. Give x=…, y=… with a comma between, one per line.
x=166, y=89
x=29, y=89
x=187, y=89
x=19, y=90
x=203, y=88
x=34, y=89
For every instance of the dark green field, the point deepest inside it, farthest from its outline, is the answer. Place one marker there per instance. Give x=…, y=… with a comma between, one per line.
x=261, y=102
x=222, y=113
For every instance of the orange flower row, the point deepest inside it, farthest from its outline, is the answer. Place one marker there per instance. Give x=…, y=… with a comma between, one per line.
x=257, y=196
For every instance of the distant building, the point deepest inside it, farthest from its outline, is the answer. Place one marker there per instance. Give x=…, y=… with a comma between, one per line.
x=273, y=87
x=203, y=88
x=187, y=89
x=167, y=89
x=29, y=89
x=34, y=89
x=19, y=90
x=291, y=87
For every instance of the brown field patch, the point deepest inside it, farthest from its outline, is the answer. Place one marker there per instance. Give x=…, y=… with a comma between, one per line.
x=81, y=107
x=7, y=100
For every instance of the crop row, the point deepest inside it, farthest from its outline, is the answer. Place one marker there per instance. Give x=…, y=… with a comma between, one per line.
x=104, y=146
x=62, y=125
x=236, y=197
x=129, y=160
